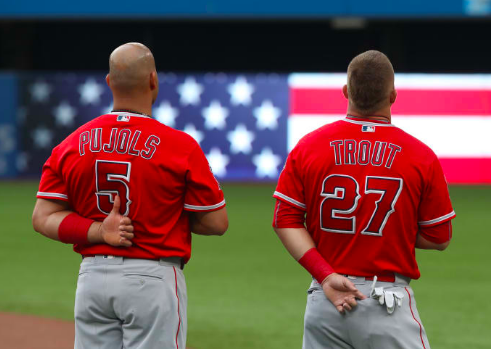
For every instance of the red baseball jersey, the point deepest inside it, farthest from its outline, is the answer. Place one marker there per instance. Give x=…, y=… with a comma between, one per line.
x=367, y=187
x=159, y=173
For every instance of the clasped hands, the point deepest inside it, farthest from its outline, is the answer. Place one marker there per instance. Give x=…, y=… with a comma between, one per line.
x=341, y=292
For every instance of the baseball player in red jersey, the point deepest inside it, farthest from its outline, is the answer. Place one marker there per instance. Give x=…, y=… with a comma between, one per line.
x=151, y=186
x=371, y=194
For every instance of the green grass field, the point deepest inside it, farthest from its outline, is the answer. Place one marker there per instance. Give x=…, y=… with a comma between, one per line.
x=244, y=290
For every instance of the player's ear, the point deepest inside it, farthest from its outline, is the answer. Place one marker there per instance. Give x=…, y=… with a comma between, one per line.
x=393, y=96
x=108, y=81
x=345, y=91
x=154, y=80
x=154, y=85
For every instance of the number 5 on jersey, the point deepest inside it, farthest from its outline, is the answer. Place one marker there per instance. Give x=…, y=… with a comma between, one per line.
x=341, y=196
x=111, y=178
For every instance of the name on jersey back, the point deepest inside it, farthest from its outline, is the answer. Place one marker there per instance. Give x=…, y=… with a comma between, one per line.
x=364, y=152
x=121, y=141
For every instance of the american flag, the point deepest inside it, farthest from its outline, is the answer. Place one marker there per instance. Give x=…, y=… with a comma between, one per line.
x=450, y=113
x=239, y=120
x=247, y=123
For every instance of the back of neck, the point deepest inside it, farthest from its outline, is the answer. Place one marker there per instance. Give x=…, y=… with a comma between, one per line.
x=381, y=115
x=136, y=105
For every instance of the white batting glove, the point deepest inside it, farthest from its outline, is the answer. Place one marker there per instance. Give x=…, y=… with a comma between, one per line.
x=398, y=296
x=389, y=298
x=378, y=293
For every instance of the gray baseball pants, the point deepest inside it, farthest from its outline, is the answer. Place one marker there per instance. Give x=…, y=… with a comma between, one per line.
x=130, y=303
x=368, y=326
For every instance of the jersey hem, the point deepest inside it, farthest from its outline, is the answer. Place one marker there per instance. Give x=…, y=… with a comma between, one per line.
x=197, y=208
x=94, y=250
x=56, y=196
x=380, y=273
x=288, y=199
x=438, y=220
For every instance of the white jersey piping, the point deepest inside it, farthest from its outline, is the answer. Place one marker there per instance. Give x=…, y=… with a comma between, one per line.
x=290, y=200
x=52, y=195
x=204, y=208
x=437, y=220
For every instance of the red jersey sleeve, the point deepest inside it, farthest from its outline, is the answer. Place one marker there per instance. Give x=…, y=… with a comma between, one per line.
x=288, y=216
x=438, y=234
x=290, y=186
x=52, y=185
x=435, y=206
x=203, y=192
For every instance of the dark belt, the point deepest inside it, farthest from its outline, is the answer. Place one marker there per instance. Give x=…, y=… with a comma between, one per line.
x=381, y=278
x=163, y=259
x=387, y=278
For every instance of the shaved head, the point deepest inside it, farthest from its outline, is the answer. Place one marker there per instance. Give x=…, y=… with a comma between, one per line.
x=370, y=81
x=130, y=68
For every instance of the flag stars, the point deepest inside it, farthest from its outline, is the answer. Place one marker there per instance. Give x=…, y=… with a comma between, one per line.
x=267, y=116
x=240, y=92
x=22, y=161
x=64, y=114
x=215, y=115
x=266, y=163
x=42, y=137
x=218, y=161
x=191, y=130
x=190, y=91
x=240, y=140
x=235, y=118
x=90, y=92
x=7, y=139
x=166, y=114
x=40, y=91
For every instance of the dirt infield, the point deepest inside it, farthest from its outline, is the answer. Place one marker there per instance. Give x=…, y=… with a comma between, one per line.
x=32, y=332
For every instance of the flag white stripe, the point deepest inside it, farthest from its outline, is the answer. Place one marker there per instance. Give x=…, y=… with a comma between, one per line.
x=451, y=137
x=402, y=81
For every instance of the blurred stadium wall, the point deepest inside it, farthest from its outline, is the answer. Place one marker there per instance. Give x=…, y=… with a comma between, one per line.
x=230, y=75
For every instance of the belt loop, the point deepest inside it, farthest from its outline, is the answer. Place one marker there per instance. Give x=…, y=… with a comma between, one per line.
x=401, y=279
x=177, y=262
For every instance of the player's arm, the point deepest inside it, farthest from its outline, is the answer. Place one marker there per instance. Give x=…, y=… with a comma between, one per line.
x=55, y=220
x=209, y=223
x=434, y=238
x=289, y=226
x=204, y=199
x=435, y=211
x=424, y=244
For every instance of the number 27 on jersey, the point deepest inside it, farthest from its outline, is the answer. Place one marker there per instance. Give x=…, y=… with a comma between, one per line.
x=341, y=198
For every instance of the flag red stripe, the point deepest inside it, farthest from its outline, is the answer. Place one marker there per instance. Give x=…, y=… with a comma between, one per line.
x=317, y=101
x=467, y=170
x=409, y=102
